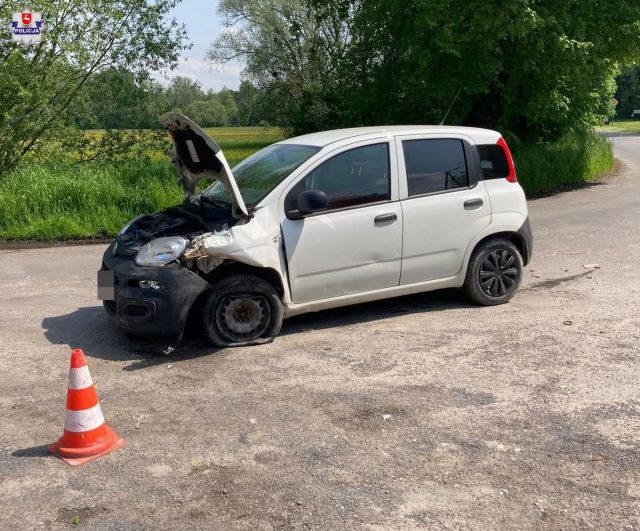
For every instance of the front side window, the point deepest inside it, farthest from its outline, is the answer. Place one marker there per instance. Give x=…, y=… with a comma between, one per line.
x=355, y=177
x=435, y=165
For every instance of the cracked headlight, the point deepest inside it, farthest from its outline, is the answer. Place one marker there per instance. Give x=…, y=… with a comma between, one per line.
x=161, y=251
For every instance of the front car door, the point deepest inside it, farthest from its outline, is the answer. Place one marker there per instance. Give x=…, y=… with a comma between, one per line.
x=355, y=244
x=444, y=204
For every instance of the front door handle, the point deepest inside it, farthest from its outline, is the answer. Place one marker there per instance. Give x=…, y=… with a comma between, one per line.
x=385, y=217
x=470, y=204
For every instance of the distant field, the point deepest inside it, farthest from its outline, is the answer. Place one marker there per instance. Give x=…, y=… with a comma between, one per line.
x=237, y=142
x=623, y=126
x=240, y=142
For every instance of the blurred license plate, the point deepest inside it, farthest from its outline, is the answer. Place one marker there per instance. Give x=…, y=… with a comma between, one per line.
x=106, y=286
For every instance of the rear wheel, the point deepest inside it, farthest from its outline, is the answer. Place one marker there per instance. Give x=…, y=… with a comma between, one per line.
x=242, y=310
x=494, y=272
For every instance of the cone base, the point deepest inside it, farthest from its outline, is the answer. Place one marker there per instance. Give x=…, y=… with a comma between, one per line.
x=75, y=461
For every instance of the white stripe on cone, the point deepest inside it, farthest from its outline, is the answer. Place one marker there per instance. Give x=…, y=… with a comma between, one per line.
x=83, y=420
x=80, y=378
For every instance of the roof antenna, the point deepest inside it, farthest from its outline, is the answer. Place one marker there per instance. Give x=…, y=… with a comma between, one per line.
x=447, y=113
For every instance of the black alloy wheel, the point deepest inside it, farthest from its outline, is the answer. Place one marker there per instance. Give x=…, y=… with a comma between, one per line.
x=498, y=274
x=494, y=272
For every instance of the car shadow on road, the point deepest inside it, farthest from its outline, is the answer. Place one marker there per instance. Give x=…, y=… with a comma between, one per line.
x=376, y=311
x=91, y=329
x=563, y=188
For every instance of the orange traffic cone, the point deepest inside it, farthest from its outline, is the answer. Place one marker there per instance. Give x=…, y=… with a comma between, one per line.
x=86, y=435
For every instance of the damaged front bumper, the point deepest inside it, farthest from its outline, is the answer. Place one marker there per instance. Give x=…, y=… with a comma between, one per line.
x=151, y=301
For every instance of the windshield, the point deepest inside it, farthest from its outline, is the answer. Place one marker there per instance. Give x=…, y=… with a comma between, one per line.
x=260, y=173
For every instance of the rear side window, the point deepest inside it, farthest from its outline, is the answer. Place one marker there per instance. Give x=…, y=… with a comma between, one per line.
x=435, y=165
x=355, y=177
x=493, y=161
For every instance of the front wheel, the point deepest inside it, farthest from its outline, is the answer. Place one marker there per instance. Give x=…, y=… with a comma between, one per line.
x=242, y=310
x=494, y=272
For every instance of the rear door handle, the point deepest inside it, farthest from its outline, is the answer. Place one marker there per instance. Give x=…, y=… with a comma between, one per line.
x=385, y=217
x=470, y=204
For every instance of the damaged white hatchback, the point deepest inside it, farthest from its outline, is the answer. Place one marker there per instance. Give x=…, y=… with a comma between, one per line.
x=315, y=222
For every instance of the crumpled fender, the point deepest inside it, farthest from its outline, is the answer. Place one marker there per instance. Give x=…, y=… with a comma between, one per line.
x=256, y=242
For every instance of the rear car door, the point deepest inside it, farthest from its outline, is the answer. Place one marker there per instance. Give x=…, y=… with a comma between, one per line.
x=444, y=204
x=355, y=244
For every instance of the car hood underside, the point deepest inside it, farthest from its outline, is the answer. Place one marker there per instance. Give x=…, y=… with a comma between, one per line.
x=196, y=156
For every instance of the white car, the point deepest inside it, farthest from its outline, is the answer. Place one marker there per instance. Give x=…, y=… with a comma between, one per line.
x=319, y=221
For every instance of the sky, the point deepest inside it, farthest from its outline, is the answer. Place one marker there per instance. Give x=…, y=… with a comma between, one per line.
x=203, y=26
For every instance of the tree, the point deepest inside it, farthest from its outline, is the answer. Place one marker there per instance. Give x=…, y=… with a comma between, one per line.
x=42, y=85
x=119, y=99
x=182, y=92
x=116, y=99
x=291, y=49
x=247, y=100
x=531, y=68
x=208, y=113
x=227, y=99
x=628, y=92
x=155, y=104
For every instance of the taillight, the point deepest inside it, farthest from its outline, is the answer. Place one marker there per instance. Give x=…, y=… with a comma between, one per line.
x=512, y=178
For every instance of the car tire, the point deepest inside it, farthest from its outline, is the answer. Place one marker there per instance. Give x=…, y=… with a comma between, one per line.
x=494, y=272
x=242, y=310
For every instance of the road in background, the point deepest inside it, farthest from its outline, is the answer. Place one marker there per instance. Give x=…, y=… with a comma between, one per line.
x=522, y=416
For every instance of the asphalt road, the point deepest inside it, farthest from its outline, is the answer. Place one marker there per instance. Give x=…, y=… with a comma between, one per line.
x=523, y=416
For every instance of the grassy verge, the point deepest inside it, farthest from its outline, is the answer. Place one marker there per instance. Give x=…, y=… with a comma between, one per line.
x=88, y=200
x=572, y=161
x=60, y=202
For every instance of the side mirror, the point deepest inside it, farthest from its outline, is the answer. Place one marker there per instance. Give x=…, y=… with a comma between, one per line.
x=308, y=202
x=311, y=201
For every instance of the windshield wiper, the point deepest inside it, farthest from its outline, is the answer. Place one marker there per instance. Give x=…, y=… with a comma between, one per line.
x=215, y=202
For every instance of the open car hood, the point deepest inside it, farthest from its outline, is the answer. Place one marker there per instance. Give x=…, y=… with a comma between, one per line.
x=196, y=156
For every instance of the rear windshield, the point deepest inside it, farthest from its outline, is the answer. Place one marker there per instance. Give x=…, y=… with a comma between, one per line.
x=493, y=161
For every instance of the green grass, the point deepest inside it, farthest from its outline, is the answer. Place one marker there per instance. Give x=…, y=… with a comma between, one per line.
x=83, y=201
x=61, y=201
x=572, y=161
x=622, y=126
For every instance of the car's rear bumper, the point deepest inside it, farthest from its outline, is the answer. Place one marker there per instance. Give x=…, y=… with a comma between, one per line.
x=527, y=237
x=147, y=311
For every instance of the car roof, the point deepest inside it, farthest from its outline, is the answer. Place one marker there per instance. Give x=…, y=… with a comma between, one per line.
x=324, y=138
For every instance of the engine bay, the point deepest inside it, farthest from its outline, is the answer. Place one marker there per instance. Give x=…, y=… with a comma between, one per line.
x=188, y=220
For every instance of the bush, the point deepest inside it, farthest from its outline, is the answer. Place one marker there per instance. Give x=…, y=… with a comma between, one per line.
x=573, y=160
